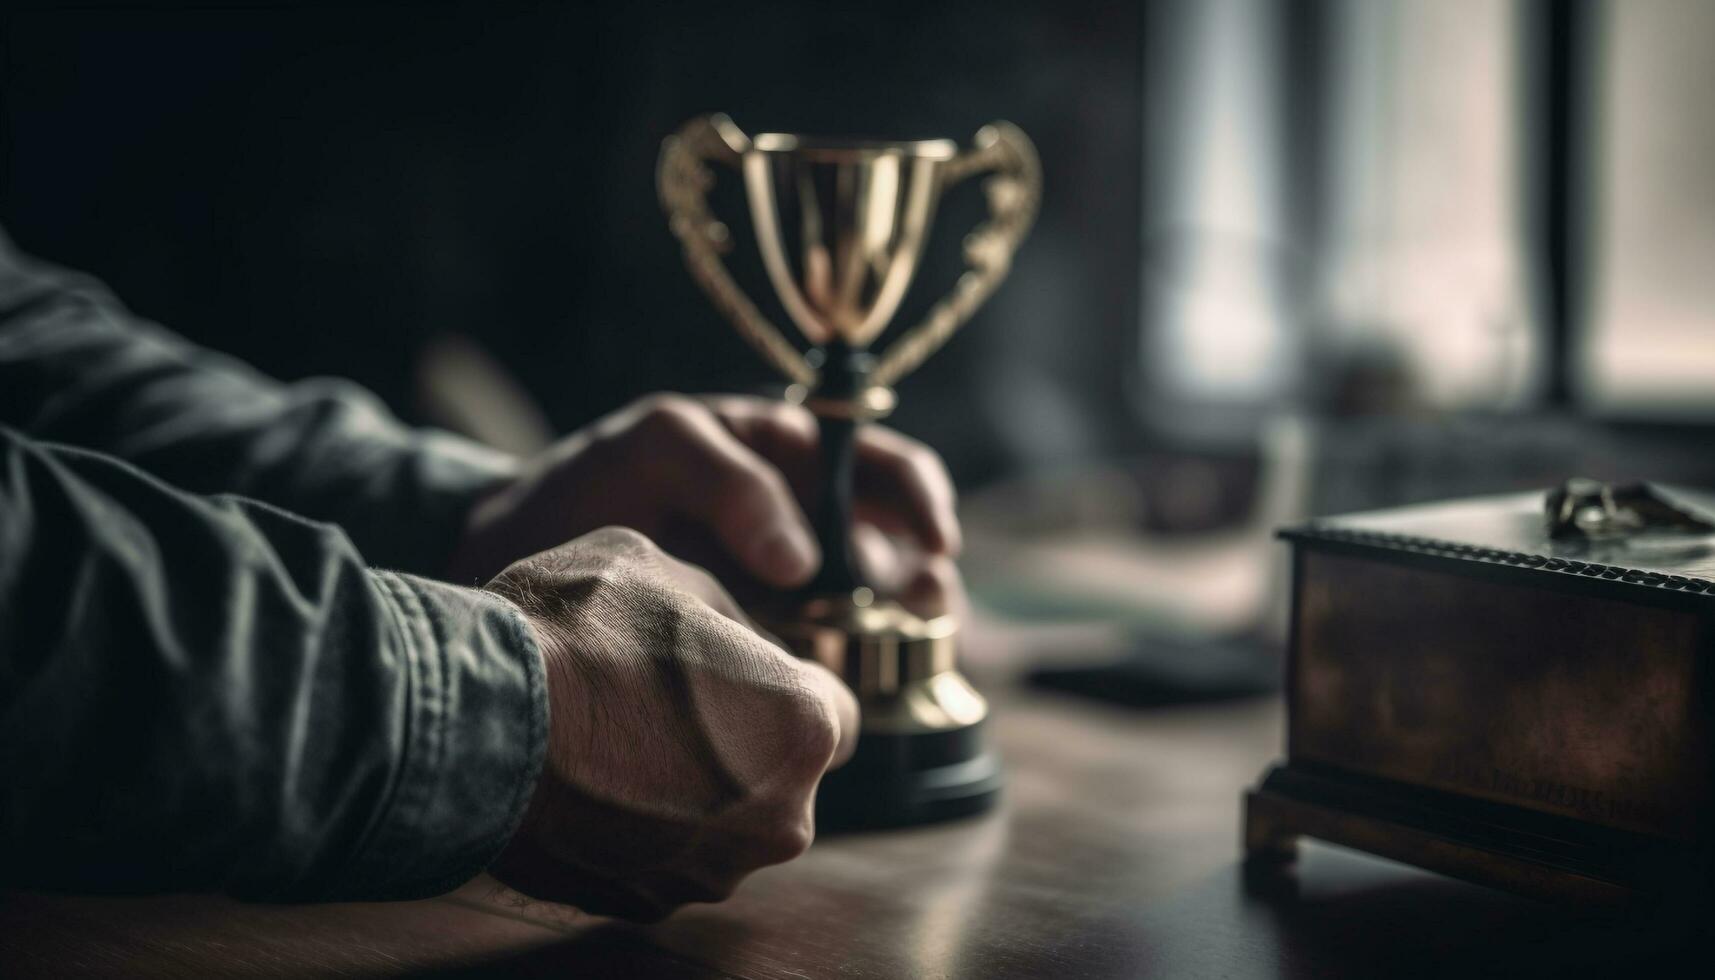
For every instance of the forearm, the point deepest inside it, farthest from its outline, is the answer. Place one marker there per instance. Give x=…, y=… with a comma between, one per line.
x=211, y=694
x=77, y=368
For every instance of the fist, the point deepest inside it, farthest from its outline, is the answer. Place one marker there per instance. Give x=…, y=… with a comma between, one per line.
x=724, y=481
x=684, y=748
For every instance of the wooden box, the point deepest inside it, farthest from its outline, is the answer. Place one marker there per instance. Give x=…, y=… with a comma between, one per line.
x=1470, y=696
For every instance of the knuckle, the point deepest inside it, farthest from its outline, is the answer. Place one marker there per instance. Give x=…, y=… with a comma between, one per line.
x=787, y=840
x=623, y=545
x=621, y=564
x=608, y=582
x=671, y=415
x=927, y=462
x=910, y=455
x=815, y=732
x=732, y=407
x=785, y=414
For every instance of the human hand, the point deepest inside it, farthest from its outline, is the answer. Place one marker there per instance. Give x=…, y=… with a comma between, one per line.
x=724, y=481
x=684, y=749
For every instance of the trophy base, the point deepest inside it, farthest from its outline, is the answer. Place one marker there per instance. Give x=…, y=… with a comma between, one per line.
x=903, y=779
x=922, y=754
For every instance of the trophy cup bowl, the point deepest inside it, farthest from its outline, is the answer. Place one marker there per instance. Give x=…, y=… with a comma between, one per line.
x=841, y=226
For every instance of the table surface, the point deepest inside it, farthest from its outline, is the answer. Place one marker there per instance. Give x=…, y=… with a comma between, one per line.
x=1115, y=854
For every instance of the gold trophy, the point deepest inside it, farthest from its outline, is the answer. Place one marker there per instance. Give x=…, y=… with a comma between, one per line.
x=841, y=227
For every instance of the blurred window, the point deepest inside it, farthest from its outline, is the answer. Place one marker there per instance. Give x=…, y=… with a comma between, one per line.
x=1424, y=260
x=1334, y=209
x=1650, y=347
x=1216, y=236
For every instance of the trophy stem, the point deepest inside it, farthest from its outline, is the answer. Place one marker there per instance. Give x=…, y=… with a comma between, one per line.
x=921, y=755
x=845, y=375
x=833, y=518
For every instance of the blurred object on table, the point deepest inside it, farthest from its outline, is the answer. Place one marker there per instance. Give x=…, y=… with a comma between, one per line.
x=1175, y=549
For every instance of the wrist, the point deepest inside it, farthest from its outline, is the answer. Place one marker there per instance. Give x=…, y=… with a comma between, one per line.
x=472, y=744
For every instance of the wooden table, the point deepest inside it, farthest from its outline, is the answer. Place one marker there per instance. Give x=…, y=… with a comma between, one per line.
x=1115, y=855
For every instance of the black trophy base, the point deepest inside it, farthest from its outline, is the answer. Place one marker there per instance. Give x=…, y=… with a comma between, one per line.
x=901, y=779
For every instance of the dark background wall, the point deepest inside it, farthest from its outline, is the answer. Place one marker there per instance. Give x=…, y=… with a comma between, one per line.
x=324, y=189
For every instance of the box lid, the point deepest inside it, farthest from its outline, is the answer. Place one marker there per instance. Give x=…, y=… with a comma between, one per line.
x=1512, y=529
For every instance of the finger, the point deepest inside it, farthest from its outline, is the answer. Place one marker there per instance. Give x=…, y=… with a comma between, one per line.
x=928, y=585
x=551, y=874
x=882, y=562
x=672, y=888
x=782, y=433
x=892, y=466
x=937, y=589
x=712, y=477
x=844, y=704
x=902, y=485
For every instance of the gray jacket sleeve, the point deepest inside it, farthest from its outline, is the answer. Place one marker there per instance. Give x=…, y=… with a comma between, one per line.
x=77, y=368
x=203, y=693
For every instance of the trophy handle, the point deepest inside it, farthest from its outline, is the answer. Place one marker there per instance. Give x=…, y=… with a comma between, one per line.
x=683, y=179
x=1014, y=193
